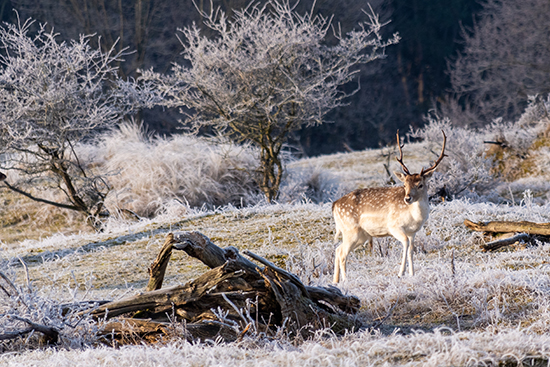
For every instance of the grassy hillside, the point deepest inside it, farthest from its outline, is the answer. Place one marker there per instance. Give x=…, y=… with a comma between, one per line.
x=463, y=307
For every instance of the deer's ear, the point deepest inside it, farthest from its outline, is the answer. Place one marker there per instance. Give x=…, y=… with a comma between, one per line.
x=428, y=175
x=400, y=176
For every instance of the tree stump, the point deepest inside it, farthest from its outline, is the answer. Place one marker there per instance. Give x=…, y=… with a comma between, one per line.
x=234, y=297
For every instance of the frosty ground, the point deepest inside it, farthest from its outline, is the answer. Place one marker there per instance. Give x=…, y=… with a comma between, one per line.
x=462, y=307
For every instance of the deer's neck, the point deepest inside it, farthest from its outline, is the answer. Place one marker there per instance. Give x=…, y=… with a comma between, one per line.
x=420, y=208
x=416, y=215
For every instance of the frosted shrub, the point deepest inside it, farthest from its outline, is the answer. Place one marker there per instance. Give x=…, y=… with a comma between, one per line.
x=55, y=95
x=521, y=134
x=522, y=142
x=267, y=72
x=535, y=112
x=29, y=319
x=498, y=162
x=479, y=160
x=313, y=184
x=150, y=173
x=465, y=172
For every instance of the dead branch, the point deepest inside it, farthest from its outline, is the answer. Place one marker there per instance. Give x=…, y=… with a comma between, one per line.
x=158, y=267
x=10, y=290
x=528, y=232
x=279, y=271
x=51, y=335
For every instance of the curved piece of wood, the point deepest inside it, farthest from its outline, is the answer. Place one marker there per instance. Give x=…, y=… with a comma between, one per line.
x=197, y=245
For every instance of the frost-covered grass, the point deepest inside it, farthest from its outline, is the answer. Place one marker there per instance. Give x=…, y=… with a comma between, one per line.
x=148, y=173
x=442, y=347
x=495, y=308
x=463, y=307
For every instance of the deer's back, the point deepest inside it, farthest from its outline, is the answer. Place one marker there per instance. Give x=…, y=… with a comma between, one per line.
x=375, y=199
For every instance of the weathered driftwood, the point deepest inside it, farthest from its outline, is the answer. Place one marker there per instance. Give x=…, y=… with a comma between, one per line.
x=509, y=227
x=245, y=293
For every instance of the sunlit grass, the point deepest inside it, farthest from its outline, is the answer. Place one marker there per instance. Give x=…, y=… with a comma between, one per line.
x=463, y=306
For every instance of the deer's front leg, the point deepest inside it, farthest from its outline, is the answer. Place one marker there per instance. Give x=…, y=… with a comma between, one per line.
x=404, y=239
x=410, y=251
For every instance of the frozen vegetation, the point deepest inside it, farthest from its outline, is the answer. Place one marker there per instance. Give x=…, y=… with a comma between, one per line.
x=463, y=307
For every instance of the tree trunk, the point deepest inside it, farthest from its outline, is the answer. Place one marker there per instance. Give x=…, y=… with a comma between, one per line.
x=271, y=171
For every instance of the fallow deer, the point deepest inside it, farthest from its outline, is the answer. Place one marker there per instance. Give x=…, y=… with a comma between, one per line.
x=383, y=211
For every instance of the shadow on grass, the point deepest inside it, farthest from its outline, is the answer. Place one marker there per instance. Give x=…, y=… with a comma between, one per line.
x=56, y=255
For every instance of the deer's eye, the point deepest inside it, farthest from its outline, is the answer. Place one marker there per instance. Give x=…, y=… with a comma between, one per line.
x=420, y=186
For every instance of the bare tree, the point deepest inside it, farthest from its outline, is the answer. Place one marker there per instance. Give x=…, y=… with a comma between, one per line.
x=266, y=73
x=52, y=97
x=506, y=58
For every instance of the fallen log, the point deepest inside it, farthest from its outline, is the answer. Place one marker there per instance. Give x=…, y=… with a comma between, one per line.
x=524, y=231
x=226, y=300
x=509, y=227
x=495, y=245
x=125, y=331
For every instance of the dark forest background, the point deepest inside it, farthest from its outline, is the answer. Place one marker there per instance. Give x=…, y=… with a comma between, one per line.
x=396, y=92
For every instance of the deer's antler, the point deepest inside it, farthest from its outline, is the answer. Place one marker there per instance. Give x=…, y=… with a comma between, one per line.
x=400, y=159
x=433, y=167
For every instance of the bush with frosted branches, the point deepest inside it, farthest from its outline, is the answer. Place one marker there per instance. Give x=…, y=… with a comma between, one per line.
x=54, y=95
x=267, y=72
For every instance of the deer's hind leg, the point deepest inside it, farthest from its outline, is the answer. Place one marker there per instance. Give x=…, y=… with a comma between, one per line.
x=350, y=241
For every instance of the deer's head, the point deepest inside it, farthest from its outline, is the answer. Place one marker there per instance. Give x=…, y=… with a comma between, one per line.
x=416, y=184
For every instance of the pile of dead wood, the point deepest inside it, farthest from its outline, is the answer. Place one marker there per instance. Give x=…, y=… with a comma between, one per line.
x=235, y=297
x=511, y=232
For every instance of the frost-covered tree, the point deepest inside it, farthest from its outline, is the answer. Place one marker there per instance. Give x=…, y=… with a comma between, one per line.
x=267, y=72
x=52, y=97
x=506, y=58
